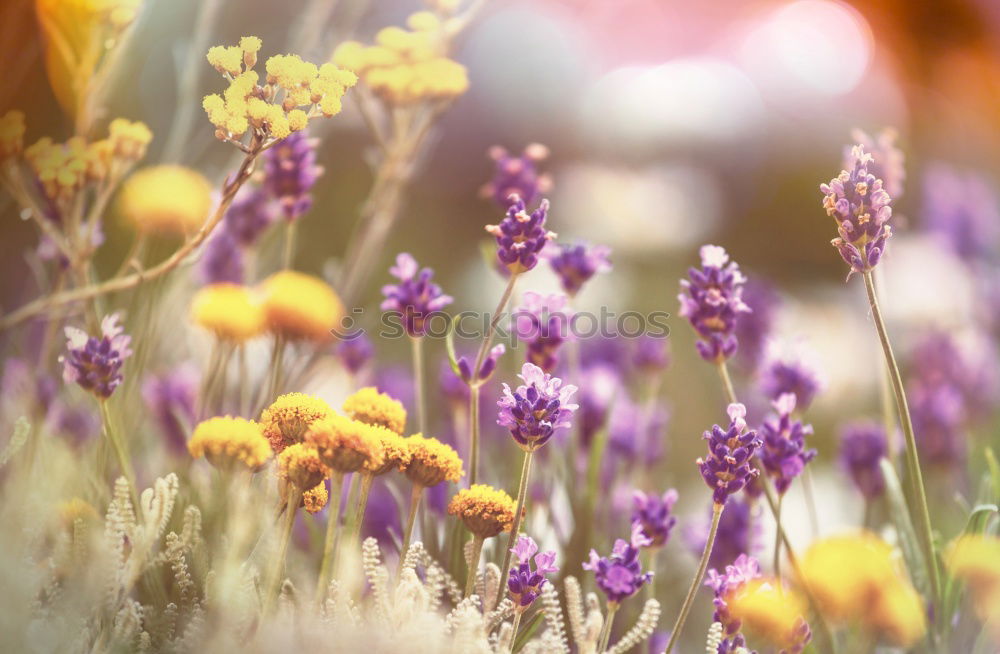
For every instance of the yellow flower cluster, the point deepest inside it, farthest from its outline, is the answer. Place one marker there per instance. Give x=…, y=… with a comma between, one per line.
x=374, y=408
x=166, y=199
x=345, y=445
x=858, y=579
x=300, y=466
x=300, y=306
x=315, y=498
x=407, y=66
x=285, y=422
x=231, y=311
x=274, y=110
x=395, y=451
x=227, y=442
x=975, y=560
x=432, y=462
x=76, y=509
x=11, y=134
x=484, y=510
x=769, y=611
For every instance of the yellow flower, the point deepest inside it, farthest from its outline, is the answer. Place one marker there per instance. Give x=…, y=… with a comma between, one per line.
x=227, y=442
x=485, y=511
x=374, y=408
x=11, y=134
x=432, y=462
x=169, y=198
x=858, y=578
x=300, y=466
x=975, y=560
x=76, y=509
x=395, y=451
x=299, y=306
x=345, y=445
x=315, y=498
x=129, y=139
x=229, y=310
x=285, y=422
x=61, y=168
x=773, y=613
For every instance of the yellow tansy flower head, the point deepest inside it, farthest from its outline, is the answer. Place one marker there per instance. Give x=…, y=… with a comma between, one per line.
x=285, y=422
x=231, y=311
x=772, y=613
x=432, y=462
x=374, y=408
x=898, y=615
x=315, y=498
x=395, y=451
x=61, y=168
x=300, y=306
x=169, y=198
x=129, y=139
x=485, y=511
x=300, y=466
x=11, y=134
x=228, y=443
x=975, y=560
x=345, y=445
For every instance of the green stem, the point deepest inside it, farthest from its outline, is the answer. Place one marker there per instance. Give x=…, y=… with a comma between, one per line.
x=278, y=564
x=474, y=425
x=367, y=479
x=777, y=542
x=602, y=640
x=696, y=582
x=120, y=451
x=291, y=227
x=417, y=349
x=912, y=458
x=651, y=553
x=414, y=505
x=727, y=382
x=477, y=552
x=332, y=535
x=522, y=492
x=277, y=359
x=514, y=627
x=807, y=489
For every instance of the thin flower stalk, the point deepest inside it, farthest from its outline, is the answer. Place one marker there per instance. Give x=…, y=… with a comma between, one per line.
x=332, y=535
x=514, y=628
x=278, y=564
x=477, y=553
x=522, y=492
x=121, y=453
x=696, y=582
x=417, y=351
x=602, y=640
x=415, y=496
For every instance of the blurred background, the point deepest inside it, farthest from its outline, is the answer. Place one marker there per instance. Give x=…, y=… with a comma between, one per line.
x=670, y=124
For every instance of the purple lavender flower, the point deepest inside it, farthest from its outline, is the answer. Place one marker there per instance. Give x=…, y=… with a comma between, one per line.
x=784, y=453
x=779, y=377
x=651, y=354
x=521, y=236
x=635, y=432
x=525, y=584
x=290, y=171
x=962, y=208
x=249, y=216
x=536, y=409
x=170, y=399
x=95, y=363
x=856, y=200
x=889, y=159
x=653, y=514
x=602, y=384
x=754, y=329
x=726, y=584
x=862, y=446
x=355, y=352
x=222, y=260
x=712, y=301
x=487, y=368
x=737, y=534
x=415, y=297
x=727, y=468
x=543, y=323
x=620, y=575
x=517, y=175
x=576, y=264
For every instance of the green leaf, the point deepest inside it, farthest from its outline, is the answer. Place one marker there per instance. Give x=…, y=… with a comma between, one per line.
x=527, y=632
x=912, y=552
x=449, y=343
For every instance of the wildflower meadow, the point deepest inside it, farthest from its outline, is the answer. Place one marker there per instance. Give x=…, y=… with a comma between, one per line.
x=309, y=344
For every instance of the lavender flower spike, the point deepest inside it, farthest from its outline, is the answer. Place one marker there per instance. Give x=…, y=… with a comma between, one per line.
x=95, y=363
x=415, y=297
x=525, y=584
x=653, y=515
x=521, y=236
x=727, y=468
x=517, y=175
x=485, y=371
x=856, y=200
x=784, y=454
x=712, y=300
x=727, y=584
x=290, y=171
x=543, y=324
x=778, y=377
x=575, y=265
x=620, y=575
x=862, y=446
x=535, y=410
